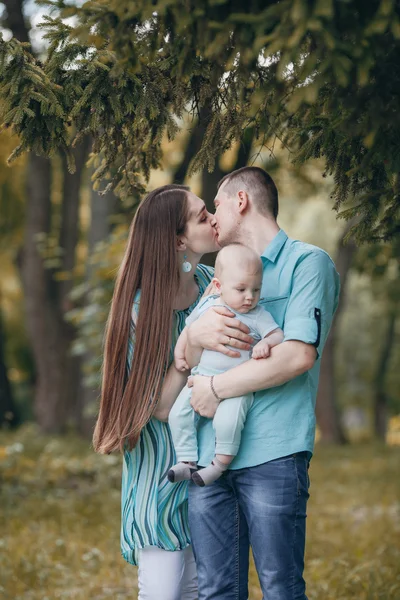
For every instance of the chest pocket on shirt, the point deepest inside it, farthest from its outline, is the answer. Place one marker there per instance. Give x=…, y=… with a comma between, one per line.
x=276, y=305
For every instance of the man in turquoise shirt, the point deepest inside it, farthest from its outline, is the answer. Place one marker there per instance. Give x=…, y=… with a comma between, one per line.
x=266, y=488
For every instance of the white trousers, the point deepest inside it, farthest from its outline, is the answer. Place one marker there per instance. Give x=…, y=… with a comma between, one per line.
x=165, y=575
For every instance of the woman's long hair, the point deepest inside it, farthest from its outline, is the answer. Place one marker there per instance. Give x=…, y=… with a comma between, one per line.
x=150, y=264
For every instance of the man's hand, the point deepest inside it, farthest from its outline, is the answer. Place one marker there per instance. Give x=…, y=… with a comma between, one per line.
x=217, y=329
x=203, y=400
x=261, y=350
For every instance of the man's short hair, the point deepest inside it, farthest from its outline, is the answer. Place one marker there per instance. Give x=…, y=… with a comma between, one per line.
x=258, y=184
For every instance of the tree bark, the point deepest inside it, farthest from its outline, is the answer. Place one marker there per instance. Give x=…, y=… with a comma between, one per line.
x=192, y=147
x=380, y=400
x=327, y=412
x=44, y=324
x=69, y=230
x=9, y=414
x=42, y=316
x=46, y=299
x=69, y=234
x=15, y=20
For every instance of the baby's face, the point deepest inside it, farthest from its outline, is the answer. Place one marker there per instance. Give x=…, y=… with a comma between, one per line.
x=240, y=288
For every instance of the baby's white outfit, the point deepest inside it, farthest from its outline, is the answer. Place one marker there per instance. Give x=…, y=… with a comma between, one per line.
x=231, y=414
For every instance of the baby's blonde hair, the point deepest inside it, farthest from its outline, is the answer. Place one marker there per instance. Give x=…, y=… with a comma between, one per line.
x=242, y=257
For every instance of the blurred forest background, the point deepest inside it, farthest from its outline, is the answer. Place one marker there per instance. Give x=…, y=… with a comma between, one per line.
x=61, y=243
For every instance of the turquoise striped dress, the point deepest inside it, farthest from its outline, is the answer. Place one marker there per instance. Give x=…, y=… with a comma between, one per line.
x=153, y=510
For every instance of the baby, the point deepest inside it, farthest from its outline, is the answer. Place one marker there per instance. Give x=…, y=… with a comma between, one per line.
x=238, y=275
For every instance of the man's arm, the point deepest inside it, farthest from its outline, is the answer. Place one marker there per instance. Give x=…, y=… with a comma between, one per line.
x=308, y=317
x=286, y=361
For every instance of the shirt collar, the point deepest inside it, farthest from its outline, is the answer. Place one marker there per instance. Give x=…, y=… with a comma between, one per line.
x=275, y=246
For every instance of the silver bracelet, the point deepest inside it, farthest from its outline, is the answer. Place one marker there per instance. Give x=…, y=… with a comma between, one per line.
x=213, y=389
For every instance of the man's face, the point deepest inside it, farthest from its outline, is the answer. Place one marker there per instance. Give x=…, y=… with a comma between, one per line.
x=226, y=218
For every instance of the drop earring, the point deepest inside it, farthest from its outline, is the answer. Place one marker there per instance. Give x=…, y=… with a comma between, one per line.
x=186, y=266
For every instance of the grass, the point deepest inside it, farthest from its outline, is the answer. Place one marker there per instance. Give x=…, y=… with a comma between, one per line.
x=59, y=523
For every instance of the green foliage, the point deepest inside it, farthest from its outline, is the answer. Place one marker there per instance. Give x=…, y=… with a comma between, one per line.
x=11, y=197
x=62, y=539
x=382, y=263
x=321, y=76
x=31, y=103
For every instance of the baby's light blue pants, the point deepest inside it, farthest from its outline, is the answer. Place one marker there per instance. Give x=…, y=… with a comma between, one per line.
x=228, y=423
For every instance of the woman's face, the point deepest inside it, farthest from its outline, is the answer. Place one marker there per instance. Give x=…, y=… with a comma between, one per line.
x=200, y=236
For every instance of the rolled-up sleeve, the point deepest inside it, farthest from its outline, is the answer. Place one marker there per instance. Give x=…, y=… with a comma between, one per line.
x=313, y=300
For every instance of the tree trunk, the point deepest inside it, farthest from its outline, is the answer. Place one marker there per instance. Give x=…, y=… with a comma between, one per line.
x=327, y=412
x=9, y=414
x=101, y=209
x=46, y=299
x=69, y=234
x=380, y=401
x=193, y=146
x=43, y=317
x=15, y=20
x=43, y=323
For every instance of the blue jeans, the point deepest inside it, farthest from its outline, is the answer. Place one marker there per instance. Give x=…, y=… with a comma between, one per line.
x=264, y=506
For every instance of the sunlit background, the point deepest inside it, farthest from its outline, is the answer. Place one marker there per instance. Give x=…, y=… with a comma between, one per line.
x=59, y=517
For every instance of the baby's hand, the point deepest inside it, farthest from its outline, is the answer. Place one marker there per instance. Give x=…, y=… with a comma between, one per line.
x=261, y=350
x=180, y=363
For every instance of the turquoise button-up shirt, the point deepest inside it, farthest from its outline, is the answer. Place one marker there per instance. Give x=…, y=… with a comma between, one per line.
x=300, y=289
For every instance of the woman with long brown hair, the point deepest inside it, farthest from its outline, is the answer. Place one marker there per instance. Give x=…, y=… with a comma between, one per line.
x=161, y=275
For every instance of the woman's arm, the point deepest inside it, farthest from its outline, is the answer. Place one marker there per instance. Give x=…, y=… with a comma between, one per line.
x=174, y=382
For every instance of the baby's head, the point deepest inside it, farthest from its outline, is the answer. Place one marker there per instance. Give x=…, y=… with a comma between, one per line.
x=238, y=275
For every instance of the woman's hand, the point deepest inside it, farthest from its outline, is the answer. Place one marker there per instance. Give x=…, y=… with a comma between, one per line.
x=217, y=329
